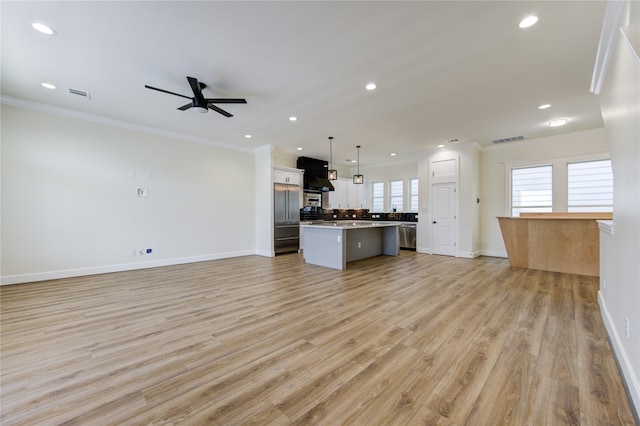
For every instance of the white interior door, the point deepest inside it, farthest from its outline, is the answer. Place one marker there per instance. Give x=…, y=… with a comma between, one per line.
x=443, y=218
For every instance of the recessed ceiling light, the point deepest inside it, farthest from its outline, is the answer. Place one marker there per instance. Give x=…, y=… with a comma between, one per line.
x=354, y=161
x=528, y=21
x=293, y=118
x=440, y=146
x=299, y=148
x=558, y=122
x=48, y=86
x=544, y=106
x=371, y=86
x=43, y=28
x=393, y=154
x=248, y=136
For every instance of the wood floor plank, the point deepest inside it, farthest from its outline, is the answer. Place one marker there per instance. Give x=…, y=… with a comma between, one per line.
x=553, y=402
x=408, y=340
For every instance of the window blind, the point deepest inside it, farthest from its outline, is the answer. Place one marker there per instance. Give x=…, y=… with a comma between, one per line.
x=590, y=186
x=531, y=189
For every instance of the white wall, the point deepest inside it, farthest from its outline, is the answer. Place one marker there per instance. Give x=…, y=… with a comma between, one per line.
x=493, y=195
x=466, y=178
x=264, y=200
x=281, y=159
x=620, y=273
x=405, y=171
x=69, y=202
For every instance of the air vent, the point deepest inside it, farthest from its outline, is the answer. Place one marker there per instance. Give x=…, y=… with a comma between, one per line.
x=511, y=139
x=80, y=93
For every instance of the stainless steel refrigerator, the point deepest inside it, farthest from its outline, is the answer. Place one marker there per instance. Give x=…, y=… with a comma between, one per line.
x=286, y=218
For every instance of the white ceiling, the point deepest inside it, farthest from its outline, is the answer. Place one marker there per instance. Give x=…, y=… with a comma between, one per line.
x=444, y=70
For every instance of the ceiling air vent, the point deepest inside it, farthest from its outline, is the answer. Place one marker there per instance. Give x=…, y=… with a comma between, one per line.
x=81, y=93
x=511, y=139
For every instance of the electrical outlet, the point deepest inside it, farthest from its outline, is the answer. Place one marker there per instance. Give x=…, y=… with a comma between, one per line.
x=604, y=282
x=132, y=252
x=626, y=326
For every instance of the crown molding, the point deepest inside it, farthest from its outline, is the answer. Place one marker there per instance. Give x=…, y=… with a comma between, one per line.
x=78, y=115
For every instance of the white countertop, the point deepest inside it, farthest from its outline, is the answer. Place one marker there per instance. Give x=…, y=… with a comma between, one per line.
x=349, y=224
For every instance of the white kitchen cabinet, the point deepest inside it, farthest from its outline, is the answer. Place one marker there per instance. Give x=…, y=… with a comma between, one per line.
x=286, y=176
x=347, y=195
x=356, y=195
x=338, y=199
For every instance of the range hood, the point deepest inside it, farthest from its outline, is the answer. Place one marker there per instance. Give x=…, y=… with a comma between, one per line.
x=315, y=174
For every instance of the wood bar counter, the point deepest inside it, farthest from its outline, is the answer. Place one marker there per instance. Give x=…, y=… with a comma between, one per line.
x=559, y=242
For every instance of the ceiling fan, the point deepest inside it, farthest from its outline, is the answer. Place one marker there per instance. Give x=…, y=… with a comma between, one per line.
x=199, y=102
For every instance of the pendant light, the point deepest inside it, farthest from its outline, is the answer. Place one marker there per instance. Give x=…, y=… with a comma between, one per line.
x=358, y=179
x=331, y=174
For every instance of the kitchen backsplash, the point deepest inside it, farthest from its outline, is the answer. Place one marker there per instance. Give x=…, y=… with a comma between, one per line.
x=360, y=214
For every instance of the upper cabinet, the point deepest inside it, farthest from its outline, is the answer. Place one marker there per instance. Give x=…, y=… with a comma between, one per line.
x=338, y=198
x=288, y=176
x=347, y=195
x=356, y=196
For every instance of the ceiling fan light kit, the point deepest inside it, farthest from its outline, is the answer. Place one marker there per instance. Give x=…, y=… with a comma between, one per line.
x=198, y=102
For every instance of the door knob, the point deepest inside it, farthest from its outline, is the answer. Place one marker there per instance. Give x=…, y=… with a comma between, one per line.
x=434, y=222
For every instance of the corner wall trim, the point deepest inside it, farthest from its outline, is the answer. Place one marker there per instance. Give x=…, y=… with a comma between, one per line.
x=610, y=25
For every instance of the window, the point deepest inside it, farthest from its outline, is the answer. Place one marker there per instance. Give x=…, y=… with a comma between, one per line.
x=396, y=199
x=413, y=207
x=531, y=189
x=562, y=184
x=377, y=204
x=590, y=186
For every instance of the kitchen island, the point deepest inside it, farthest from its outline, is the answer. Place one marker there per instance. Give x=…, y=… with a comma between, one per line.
x=558, y=242
x=333, y=244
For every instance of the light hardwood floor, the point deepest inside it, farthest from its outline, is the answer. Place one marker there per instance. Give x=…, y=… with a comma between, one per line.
x=416, y=339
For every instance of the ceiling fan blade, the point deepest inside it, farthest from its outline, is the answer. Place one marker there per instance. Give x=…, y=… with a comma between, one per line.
x=186, y=107
x=197, y=91
x=166, y=91
x=220, y=110
x=226, y=101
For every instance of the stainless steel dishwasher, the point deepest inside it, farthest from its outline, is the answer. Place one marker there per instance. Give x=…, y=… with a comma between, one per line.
x=408, y=235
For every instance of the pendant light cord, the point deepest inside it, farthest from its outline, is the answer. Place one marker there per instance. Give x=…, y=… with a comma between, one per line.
x=331, y=152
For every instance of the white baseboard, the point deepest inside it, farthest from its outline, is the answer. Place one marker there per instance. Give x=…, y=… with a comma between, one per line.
x=265, y=253
x=79, y=272
x=628, y=375
x=493, y=253
x=468, y=254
